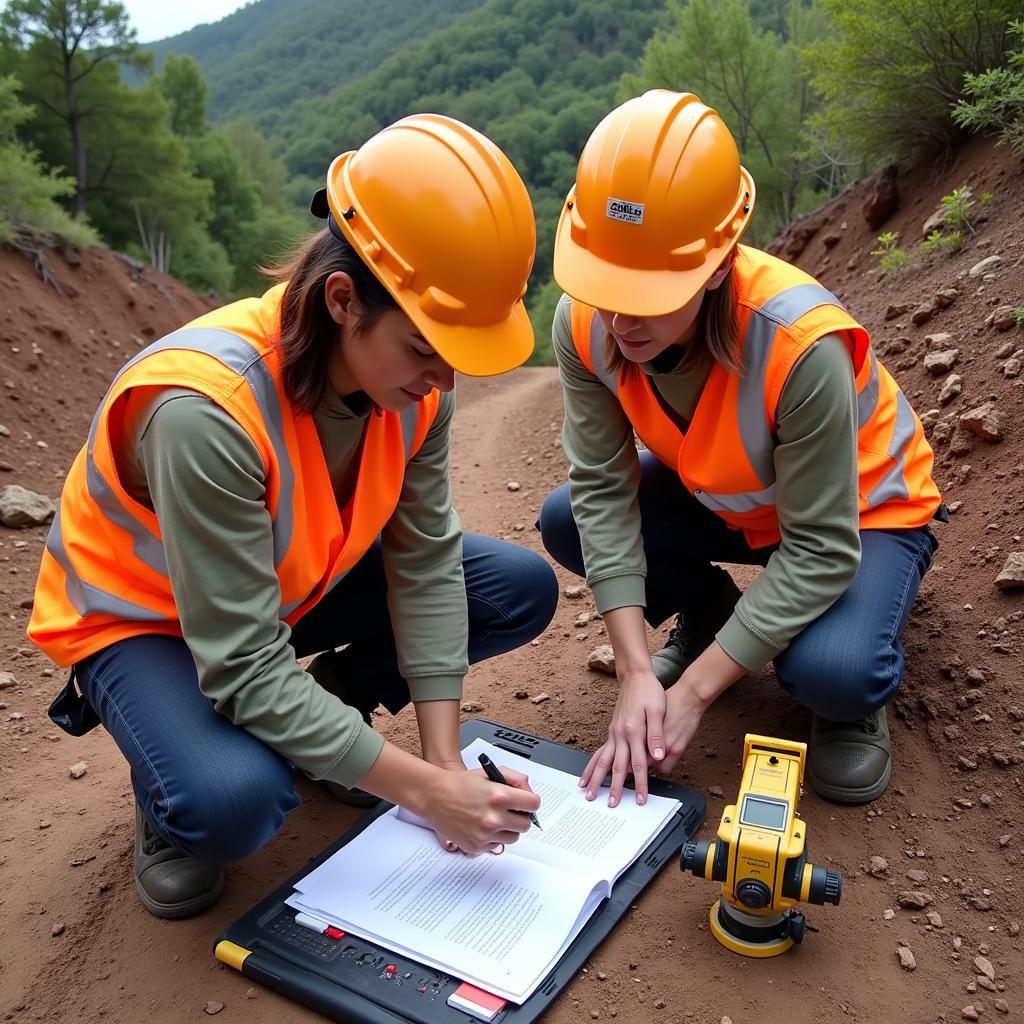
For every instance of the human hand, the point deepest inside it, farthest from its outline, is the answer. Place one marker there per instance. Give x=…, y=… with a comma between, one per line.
x=683, y=713
x=635, y=738
x=470, y=813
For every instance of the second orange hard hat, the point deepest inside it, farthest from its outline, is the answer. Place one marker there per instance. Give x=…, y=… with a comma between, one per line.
x=444, y=221
x=659, y=201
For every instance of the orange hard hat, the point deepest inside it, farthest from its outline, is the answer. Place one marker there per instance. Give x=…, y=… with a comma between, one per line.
x=659, y=201
x=444, y=221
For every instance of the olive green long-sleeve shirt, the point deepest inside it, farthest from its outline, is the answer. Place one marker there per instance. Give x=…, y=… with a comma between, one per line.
x=190, y=461
x=816, y=491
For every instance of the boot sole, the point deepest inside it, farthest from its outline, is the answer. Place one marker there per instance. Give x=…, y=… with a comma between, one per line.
x=188, y=908
x=847, y=795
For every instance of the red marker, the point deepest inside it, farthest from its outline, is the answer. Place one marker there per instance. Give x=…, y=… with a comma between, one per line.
x=316, y=925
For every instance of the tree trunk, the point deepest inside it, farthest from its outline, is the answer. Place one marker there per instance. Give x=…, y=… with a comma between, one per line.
x=77, y=142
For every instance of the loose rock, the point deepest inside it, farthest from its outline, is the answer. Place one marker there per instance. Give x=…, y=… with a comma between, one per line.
x=58, y=929
x=942, y=361
x=78, y=769
x=969, y=1013
x=934, y=918
x=573, y=592
x=921, y=315
x=7, y=680
x=1012, y=573
x=907, y=961
x=951, y=388
x=915, y=900
x=540, y=698
x=20, y=507
x=602, y=659
x=989, y=263
x=513, y=485
x=986, y=421
x=985, y=967
x=879, y=867
x=213, y=1006
x=1002, y=318
x=469, y=706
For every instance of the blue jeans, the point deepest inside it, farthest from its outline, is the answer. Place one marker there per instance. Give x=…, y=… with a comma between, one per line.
x=845, y=664
x=215, y=791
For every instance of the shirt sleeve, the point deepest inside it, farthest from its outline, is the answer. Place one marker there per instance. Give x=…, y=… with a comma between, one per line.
x=604, y=475
x=206, y=483
x=818, y=508
x=421, y=546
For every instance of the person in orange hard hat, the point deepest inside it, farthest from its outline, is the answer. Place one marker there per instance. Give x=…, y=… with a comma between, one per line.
x=271, y=481
x=772, y=436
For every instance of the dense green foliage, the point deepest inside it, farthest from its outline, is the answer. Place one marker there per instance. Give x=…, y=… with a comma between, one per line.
x=994, y=99
x=813, y=90
x=29, y=194
x=892, y=70
x=268, y=56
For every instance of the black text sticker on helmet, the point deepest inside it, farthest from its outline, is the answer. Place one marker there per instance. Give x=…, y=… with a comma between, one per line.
x=619, y=209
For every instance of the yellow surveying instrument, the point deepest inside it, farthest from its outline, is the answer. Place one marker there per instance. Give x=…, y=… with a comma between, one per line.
x=760, y=855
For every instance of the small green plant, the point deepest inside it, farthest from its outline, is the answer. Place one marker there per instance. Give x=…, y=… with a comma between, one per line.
x=985, y=198
x=938, y=241
x=891, y=257
x=956, y=211
x=1018, y=316
x=995, y=98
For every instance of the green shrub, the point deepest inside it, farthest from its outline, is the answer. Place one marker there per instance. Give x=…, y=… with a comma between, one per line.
x=995, y=98
x=893, y=69
x=892, y=258
x=1018, y=316
x=29, y=194
x=956, y=211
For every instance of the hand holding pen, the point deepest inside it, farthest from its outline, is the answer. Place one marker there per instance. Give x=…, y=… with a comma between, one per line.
x=493, y=772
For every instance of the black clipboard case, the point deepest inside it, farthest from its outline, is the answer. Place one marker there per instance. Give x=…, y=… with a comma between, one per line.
x=358, y=982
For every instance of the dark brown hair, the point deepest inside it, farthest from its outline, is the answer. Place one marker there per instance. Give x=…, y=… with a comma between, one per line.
x=716, y=336
x=308, y=331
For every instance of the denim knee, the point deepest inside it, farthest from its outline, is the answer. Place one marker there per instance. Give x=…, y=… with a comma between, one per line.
x=229, y=816
x=537, y=587
x=558, y=531
x=844, y=683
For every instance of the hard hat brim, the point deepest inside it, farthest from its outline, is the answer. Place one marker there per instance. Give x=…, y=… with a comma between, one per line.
x=477, y=351
x=617, y=289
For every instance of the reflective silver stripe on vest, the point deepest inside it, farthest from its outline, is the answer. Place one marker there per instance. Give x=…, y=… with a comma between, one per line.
x=867, y=399
x=599, y=355
x=741, y=501
x=894, y=484
x=86, y=598
x=241, y=357
x=783, y=310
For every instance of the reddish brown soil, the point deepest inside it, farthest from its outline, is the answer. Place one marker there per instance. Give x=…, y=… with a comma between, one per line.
x=65, y=844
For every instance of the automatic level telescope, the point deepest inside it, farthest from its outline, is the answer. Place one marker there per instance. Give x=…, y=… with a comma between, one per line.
x=760, y=855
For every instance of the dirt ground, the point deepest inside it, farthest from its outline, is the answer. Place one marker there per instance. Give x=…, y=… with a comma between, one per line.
x=75, y=943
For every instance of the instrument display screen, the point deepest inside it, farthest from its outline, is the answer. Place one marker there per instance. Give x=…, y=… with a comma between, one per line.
x=764, y=813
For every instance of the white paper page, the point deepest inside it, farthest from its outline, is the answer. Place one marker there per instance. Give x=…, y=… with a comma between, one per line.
x=580, y=835
x=496, y=921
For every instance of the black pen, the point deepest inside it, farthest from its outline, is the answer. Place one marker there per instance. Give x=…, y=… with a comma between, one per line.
x=492, y=772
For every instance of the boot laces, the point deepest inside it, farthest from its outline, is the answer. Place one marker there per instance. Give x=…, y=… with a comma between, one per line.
x=868, y=725
x=151, y=842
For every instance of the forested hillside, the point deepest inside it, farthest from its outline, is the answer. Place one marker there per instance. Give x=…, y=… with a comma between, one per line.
x=267, y=56
x=199, y=153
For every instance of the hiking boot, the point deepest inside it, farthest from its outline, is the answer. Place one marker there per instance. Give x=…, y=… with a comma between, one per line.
x=850, y=762
x=695, y=629
x=170, y=883
x=325, y=671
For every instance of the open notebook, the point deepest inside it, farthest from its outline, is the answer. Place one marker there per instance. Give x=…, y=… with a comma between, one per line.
x=498, y=922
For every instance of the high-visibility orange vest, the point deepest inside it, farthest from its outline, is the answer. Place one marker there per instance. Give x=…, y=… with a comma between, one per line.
x=104, y=572
x=725, y=458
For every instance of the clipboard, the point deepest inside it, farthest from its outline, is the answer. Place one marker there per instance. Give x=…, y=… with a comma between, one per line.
x=358, y=982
